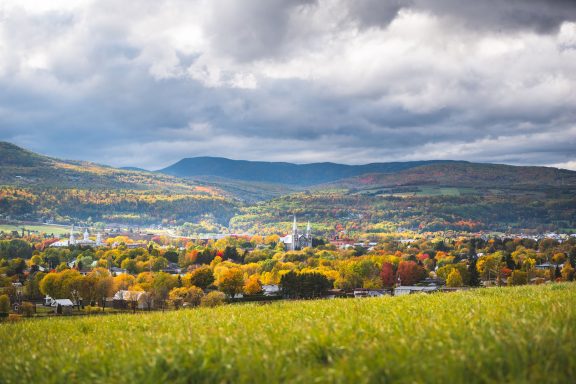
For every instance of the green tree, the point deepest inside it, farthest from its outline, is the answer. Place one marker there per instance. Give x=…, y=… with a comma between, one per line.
x=201, y=277
x=4, y=304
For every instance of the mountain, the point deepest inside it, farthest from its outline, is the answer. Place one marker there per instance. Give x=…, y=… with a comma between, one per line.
x=282, y=173
x=471, y=175
x=434, y=197
x=34, y=187
x=259, y=197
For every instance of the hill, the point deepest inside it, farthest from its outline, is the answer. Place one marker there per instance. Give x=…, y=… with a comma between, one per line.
x=283, y=173
x=423, y=196
x=36, y=187
x=496, y=335
x=471, y=175
x=433, y=197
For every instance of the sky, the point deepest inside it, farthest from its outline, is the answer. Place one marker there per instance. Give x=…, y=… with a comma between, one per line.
x=145, y=83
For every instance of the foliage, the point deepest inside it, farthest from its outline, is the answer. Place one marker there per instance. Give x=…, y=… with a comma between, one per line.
x=252, y=286
x=231, y=282
x=213, y=299
x=4, y=304
x=304, y=285
x=201, y=277
x=410, y=273
x=454, y=279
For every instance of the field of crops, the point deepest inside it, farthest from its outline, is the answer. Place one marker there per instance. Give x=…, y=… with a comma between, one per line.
x=523, y=334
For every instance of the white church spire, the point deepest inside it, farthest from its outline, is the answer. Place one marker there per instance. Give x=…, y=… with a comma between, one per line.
x=72, y=240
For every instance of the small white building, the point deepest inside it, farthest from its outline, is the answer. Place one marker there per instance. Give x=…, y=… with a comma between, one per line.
x=410, y=289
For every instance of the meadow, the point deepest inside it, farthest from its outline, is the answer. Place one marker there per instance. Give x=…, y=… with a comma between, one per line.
x=520, y=334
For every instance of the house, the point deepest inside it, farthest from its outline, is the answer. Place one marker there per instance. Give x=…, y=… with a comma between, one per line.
x=62, y=306
x=410, y=289
x=127, y=299
x=271, y=290
x=366, y=292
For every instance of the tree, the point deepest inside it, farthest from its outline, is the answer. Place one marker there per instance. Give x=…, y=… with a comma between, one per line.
x=304, y=285
x=201, y=277
x=410, y=272
x=559, y=258
x=518, y=277
x=177, y=296
x=473, y=273
x=27, y=309
x=213, y=299
x=567, y=272
x=162, y=285
x=454, y=279
x=32, y=285
x=123, y=282
x=231, y=282
x=387, y=275
x=4, y=304
x=253, y=286
x=191, y=295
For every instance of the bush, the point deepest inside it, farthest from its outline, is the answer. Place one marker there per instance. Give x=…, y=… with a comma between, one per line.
x=27, y=309
x=213, y=299
x=4, y=304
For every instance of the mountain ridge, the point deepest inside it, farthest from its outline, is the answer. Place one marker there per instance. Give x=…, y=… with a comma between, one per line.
x=284, y=172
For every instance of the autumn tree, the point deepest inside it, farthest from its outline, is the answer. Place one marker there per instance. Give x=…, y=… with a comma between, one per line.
x=231, y=282
x=454, y=279
x=253, y=286
x=410, y=272
x=191, y=295
x=201, y=277
x=213, y=299
x=387, y=275
x=567, y=272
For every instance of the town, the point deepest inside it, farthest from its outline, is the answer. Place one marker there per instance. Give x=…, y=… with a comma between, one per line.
x=97, y=273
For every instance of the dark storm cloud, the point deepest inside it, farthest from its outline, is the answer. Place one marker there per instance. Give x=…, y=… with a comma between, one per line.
x=147, y=83
x=542, y=16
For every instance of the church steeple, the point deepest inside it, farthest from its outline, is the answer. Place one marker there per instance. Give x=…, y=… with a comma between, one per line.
x=72, y=240
x=294, y=235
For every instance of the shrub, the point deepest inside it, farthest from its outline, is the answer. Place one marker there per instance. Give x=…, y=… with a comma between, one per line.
x=4, y=304
x=27, y=309
x=213, y=299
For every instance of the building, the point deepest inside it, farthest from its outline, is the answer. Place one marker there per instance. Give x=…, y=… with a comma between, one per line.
x=84, y=242
x=407, y=290
x=297, y=241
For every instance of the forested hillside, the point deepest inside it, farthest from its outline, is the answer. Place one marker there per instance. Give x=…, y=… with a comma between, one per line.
x=430, y=197
x=34, y=187
x=284, y=173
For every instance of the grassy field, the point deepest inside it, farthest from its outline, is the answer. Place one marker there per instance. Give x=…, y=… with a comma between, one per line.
x=495, y=335
x=41, y=228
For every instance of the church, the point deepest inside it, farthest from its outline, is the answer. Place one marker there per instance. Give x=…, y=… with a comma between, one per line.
x=296, y=240
x=85, y=240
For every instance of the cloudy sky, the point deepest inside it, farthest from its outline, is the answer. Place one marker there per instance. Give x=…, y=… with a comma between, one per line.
x=145, y=83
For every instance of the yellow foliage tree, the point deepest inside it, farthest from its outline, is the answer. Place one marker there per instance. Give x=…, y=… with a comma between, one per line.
x=454, y=279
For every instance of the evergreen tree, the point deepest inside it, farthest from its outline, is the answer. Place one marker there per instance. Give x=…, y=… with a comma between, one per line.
x=474, y=275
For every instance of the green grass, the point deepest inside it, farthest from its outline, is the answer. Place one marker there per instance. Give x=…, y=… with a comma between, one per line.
x=495, y=335
x=48, y=229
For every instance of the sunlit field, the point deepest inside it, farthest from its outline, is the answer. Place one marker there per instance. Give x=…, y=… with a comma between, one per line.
x=495, y=335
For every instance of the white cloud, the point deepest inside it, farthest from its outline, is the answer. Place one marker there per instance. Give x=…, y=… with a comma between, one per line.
x=289, y=80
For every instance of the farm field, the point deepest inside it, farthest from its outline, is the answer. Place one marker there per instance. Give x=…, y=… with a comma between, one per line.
x=41, y=228
x=522, y=334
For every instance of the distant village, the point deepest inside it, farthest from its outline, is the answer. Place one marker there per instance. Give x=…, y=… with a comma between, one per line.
x=102, y=271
